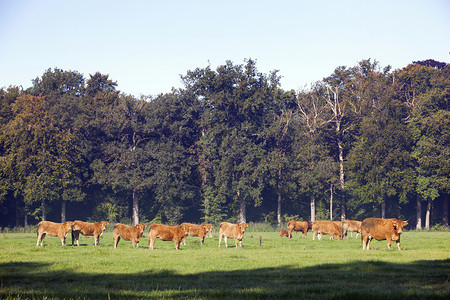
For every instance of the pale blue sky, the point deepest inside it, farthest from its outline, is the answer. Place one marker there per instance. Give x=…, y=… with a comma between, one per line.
x=146, y=45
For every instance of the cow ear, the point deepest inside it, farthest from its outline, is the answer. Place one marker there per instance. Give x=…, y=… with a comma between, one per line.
x=405, y=223
x=394, y=223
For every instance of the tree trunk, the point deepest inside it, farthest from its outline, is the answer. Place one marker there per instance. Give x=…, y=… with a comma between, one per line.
x=383, y=209
x=419, y=214
x=331, y=202
x=135, y=213
x=18, y=215
x=43, y=211
x=25, y=220
x=279, y=209
x=427, y=216
x=342, y=180
x=445, y=211
x=242, y=208
x=313, y=208
x=63, y=211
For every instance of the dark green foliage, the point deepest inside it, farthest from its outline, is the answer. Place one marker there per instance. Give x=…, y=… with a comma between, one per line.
x=231, y=145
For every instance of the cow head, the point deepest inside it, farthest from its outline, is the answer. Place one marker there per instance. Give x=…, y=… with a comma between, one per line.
x=104, y=224
x=186, y=229
x=398, y=225
x=141, y=227
x=243, y=226
x=68, y=225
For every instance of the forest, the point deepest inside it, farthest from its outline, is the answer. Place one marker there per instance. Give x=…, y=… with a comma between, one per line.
x=230, y=145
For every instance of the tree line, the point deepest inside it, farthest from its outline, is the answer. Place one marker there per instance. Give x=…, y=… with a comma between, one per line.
x=230, y=145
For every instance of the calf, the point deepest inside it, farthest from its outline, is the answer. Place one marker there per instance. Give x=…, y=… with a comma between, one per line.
x=88, y=229
x=128, y=233
x=297, y=226
x=326, y=227
x=352, y=226
x=52, y=229
x=229, y=230
x=166, y=233
x=381, y=229
x=284, y=232
x=195, y=230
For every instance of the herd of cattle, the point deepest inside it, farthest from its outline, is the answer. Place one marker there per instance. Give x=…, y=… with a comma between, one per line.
x=370, y=228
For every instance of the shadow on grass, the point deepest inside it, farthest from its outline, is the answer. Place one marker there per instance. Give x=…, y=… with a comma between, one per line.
x=359, y=280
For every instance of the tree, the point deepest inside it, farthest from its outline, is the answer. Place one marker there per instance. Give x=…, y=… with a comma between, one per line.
x=424, y=89
x=315, y=168
x=39, y=159
x=380, y=166
x=231, y=148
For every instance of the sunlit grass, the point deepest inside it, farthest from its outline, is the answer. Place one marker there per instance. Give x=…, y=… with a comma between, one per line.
x=289, y=268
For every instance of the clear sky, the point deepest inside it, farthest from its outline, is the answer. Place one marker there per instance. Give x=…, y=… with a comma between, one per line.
x=146, y=45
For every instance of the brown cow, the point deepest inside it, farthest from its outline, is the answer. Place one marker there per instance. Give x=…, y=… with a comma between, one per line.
x=284, y=232
x=177, y=234
x=297, y=226
x=52, y=229
x=195, y=230
x=229, y=230
x=326, y=227
x=352, y=226
x=88, y=229
x=209, y=229
x=128, y=233
x=381, y=229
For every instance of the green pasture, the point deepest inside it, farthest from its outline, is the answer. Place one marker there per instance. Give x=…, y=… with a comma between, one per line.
x=281, y=268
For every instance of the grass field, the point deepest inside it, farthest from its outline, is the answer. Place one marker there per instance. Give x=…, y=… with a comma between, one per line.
x=280, y=268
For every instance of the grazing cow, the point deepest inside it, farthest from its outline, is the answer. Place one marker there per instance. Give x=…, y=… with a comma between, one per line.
x=195, y=230
x=229, y=230
x=352, y=226
x=284, y=232
x=52, y=229
x=88, y=229
x=209, y=229
x=297, y=226
x=381, y=229
x=128, y=233
x=326, y=227
x=177, y=234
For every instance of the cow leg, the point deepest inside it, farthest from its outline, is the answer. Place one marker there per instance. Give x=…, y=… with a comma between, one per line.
x=398, y=244
x=177, y=245
x=38, y=240
x=202, y=239
x=220, y=239
x=389, y=243
x=63, y=240
x=319, y=236
x=152, y=241
x=226, y=243
x=116, y=241
x=368, y=242
x=76, y=236
x=42, y=239
x=290, y=233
